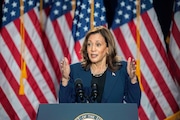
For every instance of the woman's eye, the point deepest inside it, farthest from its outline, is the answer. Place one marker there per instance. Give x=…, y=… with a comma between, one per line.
x=88, y=44
x=98, y=44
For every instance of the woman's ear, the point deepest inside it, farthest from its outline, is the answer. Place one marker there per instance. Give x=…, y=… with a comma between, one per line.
x=107, y=51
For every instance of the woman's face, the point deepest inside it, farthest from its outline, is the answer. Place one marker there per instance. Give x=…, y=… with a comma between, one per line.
x=97, y=48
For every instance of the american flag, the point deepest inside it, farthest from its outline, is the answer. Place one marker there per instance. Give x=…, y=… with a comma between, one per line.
x=59, y=31
x=174, y=45
x=42, y=51
x=82, y=20
x=160, y=95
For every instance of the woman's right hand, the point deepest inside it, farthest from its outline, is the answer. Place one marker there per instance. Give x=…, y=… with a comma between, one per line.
x=65, y=70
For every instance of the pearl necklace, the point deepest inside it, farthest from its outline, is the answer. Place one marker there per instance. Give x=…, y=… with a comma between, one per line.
x=99, y=74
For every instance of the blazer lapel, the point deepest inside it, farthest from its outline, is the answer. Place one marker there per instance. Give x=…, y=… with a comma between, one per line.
x=111, y=78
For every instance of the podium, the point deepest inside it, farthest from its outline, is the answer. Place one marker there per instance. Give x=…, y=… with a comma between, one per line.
x=88, y=111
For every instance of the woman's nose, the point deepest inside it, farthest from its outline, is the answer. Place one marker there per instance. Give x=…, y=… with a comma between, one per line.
x=93, y=48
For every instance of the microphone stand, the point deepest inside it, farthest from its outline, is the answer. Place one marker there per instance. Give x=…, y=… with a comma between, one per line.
x=94, y=93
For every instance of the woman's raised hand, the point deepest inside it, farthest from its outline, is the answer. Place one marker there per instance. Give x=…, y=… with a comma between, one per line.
x=131, y=69
x=65, y=70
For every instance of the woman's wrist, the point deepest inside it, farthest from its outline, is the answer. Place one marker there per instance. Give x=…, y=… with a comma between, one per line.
x=134, y=80
x=65, y=80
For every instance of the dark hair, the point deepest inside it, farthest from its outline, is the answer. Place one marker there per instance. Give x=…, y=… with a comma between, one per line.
x=112, y=60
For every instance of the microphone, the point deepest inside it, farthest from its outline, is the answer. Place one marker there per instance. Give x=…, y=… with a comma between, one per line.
x=94, y=92
x=79, y=89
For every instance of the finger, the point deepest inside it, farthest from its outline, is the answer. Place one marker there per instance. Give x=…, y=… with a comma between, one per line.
x=66, y=61
x=133, y=64
x=129, y=63
x=62, y=61
x=133, y=72
x=129, y=66
x=62, y=64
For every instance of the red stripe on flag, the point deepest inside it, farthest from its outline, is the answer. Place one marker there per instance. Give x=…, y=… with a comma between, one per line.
x=154, y=36
x=158, y=76
x=122, y=42
x=176, y=34
x=154, y=103
x=142, y=113
x=77, y=48
x=61, y=39
x=16, y=55
x=49, y=51
x=15, y=86
x=175, y=70
x=39, y=62
x=146, y=87
x=51, y=56
x=7, y=106
x=173, y=54
x=69, y=18
x=126, y=51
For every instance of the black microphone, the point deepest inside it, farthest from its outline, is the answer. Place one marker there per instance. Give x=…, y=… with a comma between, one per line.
x=94, y=92
x=79, y=89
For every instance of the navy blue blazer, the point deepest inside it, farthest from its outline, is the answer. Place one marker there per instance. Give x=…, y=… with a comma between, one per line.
x=118, y=87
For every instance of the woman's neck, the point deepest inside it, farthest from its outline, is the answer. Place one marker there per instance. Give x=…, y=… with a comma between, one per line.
x=98, y=68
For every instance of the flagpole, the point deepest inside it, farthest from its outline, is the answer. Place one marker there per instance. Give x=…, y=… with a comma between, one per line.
x=92, y=15
x=138, y=13
x=41, y=17
x=73, y=5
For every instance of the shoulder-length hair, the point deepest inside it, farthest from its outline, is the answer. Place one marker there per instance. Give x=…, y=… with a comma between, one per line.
x=113, y=61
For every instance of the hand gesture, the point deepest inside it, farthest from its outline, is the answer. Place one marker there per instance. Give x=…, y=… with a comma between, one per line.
x=65, y=70
x=131, y=69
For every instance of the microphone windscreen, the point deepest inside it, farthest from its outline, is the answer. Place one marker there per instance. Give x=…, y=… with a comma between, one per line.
x=94, y=81
x=78, y=83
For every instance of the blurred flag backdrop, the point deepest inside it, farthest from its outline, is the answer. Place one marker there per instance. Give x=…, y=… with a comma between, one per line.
x=158, y=85
x=82, y=22
x=36, y=34
x=174, y=43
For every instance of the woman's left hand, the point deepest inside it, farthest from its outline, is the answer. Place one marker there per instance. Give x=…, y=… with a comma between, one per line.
x=131, y=69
